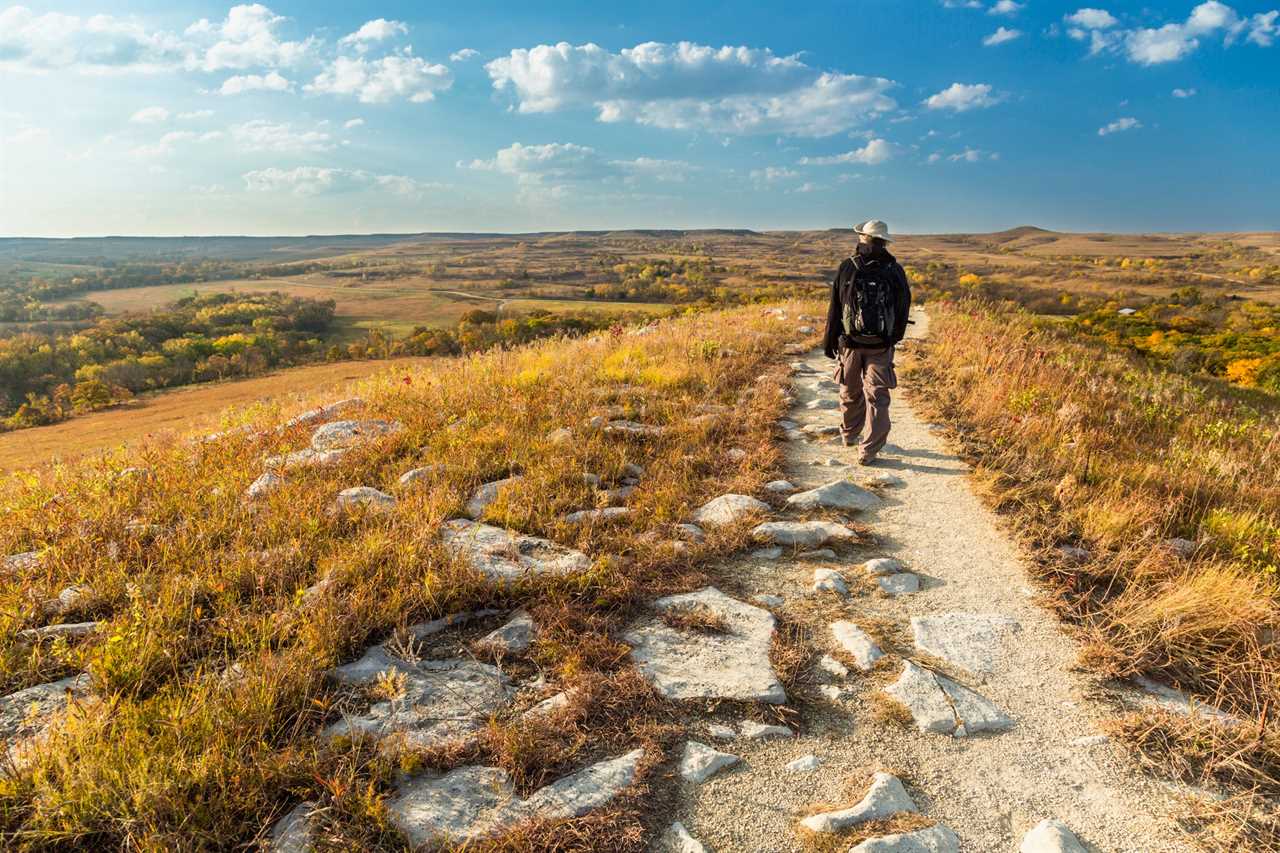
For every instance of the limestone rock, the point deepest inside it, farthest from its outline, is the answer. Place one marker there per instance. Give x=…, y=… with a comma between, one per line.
x=27, y=714
x=885, y=798
x=700, y=762
x=803, y=764
x=422, y=630
x=883, y=566
x=295, y=832
x=822, y=403
x=735, y=454
x=419, y=475
x=631, y=469
x=365, y=497
x=780, y=487
x=817, y=554
x=858, y=643
x=502, y=555
x=70, y=598
x=564, y=435
x=942, y=706
x=838, y=494
x=719, y=731
x=693, y=665
x=972, y=641
x=787, y=424
x=751, y=730
x=466, y=804
x=20, y=562
x=831, y=692
x=442, y=700
x=1073, y=555
x=339, y=435
x=883, y=479
x=574, y=796
x=802, y=534
x=264, y=485
x=548, y=706
x=485, y=495
x=597, y=516
x=319, y=413
x=68, y=631
x=820, y=429
x=936, y=839
x=728, y=509
x=678, y=840
x=1051, y=836
x=690, y=533
x=767, y=600
x=899, y=584
x=1181, y=703
x=1179, y=547
x=305, y=458
x=829, y=580
x=771, y=553
x=625, y=427
x=805, y=330
x=513, y=637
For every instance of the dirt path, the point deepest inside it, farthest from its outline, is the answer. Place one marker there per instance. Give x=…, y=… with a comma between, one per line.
x=989, y=788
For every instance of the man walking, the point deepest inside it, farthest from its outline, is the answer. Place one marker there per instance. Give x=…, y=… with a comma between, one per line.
x=870, y=300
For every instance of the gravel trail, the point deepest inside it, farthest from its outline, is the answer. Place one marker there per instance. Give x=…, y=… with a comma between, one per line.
x=990, y=788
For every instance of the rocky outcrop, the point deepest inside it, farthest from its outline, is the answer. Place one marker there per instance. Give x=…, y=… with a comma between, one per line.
x=503, y=555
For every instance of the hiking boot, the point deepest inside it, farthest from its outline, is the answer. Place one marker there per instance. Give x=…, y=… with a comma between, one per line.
x=866, y=460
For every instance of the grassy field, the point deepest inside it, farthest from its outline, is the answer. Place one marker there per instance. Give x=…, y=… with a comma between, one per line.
x=192, y=409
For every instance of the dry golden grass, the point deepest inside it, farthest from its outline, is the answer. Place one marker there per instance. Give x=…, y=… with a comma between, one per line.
x=695, y=617
x=210, y=666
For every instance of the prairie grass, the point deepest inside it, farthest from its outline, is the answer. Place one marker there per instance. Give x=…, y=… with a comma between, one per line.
x=1084, y=446
x=220, y=617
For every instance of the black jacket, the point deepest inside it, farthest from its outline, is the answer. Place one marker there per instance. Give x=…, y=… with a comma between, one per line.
x=835, y=327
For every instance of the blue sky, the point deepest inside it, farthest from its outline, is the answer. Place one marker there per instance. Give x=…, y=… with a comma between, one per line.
x=966, y=115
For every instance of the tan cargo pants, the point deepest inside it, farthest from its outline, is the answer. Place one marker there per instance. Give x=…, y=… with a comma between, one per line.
x=865, y=377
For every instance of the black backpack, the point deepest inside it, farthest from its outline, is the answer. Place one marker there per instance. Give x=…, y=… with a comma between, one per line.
x=869, y=309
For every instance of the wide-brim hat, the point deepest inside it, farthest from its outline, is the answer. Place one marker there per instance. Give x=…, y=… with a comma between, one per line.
x=874, y=228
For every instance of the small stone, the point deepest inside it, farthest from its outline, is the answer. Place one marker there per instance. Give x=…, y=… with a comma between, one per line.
x=1183, y=548
x=339, y=435
x=883, y=566
x=592, y=480
x=365, y=497
x=564, y=435
x=27, y=714
x=487, y=494
x=1051, y=836
x=595, y=516
x=595, y=423
x=820, y=429
x=700, y=762
x=690, y=533
x=822, y=403
x=802, y=534
x=883, y=479
x=1090, y=740
x=817, y=554
x=899, y=584
x=761, y=731
x=719, y=731
x=780, y=487
x=678, y=840
x=588, y=789
x=833, y=667
x=419, y=475
x=264, y=485
x=305, y=458
x=620, y=494
x=858, y=643
x=942, y=706
x=885, y=798
x=625, y=427
x=728, y=509
x=829, y=580
x=20, y=562
x=296, y=831
x=735, y=454
x=936, y=839
x=803, y=764
x=513, y=637
x=769, y=600
x=321, y=412
x=786, y=424
x=831, y=692
x=1073, y=555
x=67, y=631
x=838, y=494
x=771, y=553
x=70, y=598
x=805, y=330
x=631, y=469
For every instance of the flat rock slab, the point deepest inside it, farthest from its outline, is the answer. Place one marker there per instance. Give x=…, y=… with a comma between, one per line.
x=829, y=580
x=20, y=562
x=365, y=497
x=503, y=555
x=857, y=643
x=971, y=641
x=296, y=831
x=339, y=435
x=802, y=534
x=838, y=494
x=678, y=840
x=27, y=714
x=597, y=516
x=419, y=475
x=751, y=730
x=485, y=495
x=66, y=630
x=1051, y=836
x=935, y=839
x=940, y=705
x=1181, y=703
x=885, y=798
x=780, y=487
x=514, y=637
x=883, y=566
x=442, y=700
x=264, y=485
x=696, y=665
x=803, y=764
x=700, y=762
x=903, y=583
x=305, y=458
x=728, y=509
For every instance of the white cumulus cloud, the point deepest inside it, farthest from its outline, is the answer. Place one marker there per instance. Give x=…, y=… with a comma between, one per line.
x=1173, y=41
x=171, y=141
x=773, y=174
x=272, y=81
x=550, y=170
x=316, y=180
x=725, y=90
x=353, y=123
x=150, y=115
x=1005, y=7
x=37, y=43
x=962, y=97
x=1092, y=19
x=1000, y=36
x=463, y=55
x=377, y=81
x=1119, y=126
x=247, y=38
x=263, y=135
x=379, y=29
x=1184, y=93
x=875, y=152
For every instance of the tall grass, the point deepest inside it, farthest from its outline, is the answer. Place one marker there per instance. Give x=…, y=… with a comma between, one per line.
x=1084, y=446
x=208, y=674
